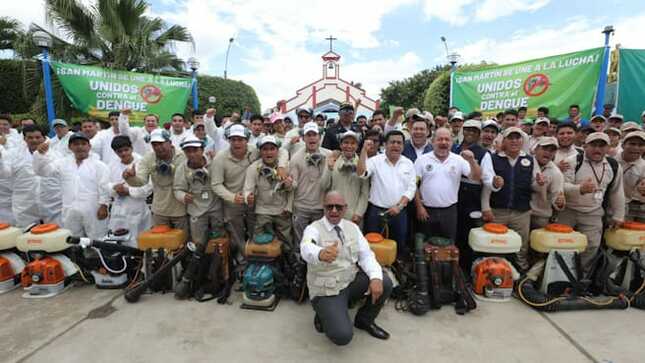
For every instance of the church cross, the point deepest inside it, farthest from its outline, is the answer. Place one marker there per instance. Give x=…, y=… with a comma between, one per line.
x=331, y=40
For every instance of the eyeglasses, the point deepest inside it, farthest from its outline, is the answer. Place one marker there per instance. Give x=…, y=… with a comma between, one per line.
x=331, y=207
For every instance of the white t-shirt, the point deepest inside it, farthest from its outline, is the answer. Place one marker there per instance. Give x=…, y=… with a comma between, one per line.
x=440, y=180
x=390, y=182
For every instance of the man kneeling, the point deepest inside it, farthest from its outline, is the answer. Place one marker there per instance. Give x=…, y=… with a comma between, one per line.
x=332, y=248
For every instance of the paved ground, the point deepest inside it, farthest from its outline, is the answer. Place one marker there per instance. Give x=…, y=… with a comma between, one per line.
x=85, y=324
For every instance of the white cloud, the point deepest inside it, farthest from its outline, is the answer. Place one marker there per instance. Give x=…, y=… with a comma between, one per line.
x=459, y=12
x=576, y=34
x=25, y=11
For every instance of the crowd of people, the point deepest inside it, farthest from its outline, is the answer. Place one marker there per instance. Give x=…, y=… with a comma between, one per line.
x=316, y=182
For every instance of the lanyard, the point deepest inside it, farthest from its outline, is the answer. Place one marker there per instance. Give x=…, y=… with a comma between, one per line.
x=598, y=180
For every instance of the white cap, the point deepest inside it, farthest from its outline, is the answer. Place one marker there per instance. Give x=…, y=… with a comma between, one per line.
x=489, y=123
x=192, y=141
x=473, y=124
x=540, y=120
x=310, y=127
x=237, y=130
x=457, y=116
x=159, y=135
x=349, y=133
x=268, y=139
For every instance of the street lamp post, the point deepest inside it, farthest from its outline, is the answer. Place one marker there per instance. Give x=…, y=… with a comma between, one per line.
x=193, y=63
x=602, y=80
x=230, y=41
x=44, y=42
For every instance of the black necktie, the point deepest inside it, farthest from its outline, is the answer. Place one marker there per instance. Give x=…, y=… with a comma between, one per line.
x=339, y=233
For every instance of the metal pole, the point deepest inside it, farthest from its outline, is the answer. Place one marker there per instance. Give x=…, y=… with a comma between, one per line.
x=602, y=80
x=230, y=41
x=49, y=94
x=195, y=95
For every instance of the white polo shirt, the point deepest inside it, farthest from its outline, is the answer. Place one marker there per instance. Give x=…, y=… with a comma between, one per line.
x=440, y=180
x=390, y=182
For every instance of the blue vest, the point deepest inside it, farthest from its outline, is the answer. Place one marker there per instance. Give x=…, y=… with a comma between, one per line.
x=477, y=150
x=410, y=153
x=516, y=193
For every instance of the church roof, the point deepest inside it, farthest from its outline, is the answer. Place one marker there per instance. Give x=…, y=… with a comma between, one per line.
x=331, y=56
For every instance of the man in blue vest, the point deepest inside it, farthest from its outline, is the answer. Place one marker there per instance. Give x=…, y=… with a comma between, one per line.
x=419, y=134
x=470, y=190
x=508, y=200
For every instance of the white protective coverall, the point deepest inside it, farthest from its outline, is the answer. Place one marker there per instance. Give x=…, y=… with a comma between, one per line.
x=130, y=212
x=6, y=185
x=83, y=191
x=34, y=198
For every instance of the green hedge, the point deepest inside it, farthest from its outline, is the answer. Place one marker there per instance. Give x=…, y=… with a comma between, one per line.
x=231, y=96
x=437, y=95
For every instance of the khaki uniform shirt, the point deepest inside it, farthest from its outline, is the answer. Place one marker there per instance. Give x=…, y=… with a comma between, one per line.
x=307, y=192
x=352, y=187
x=196, y=182
x=543, y=197
x=271, y=198
x=633, y=173
x=164, y=202
x=591, y=203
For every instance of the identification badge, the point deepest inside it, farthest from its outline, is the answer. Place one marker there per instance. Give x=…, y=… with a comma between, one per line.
x=598, y=196
x=204, y=195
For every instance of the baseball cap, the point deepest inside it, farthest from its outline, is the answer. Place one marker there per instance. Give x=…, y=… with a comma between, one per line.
x=310, y=127
x=268, y=139
x=597, y=136
x=78, y=136
x=346, y=106
x=473, y=124
x=630, y=126
x=541, y=120
x=59, y=122
x=276, y=116
x=512, y=130
x=237, y=130
x=598, y=117
x=414, y=112
x=307, y=110
x=349, y=133
x=613, y=129
x=617, y=116
x=457, y=116
x=547, y=140
x=192, y=141
x=639, y=134
x=159, y=135
x=490, y=123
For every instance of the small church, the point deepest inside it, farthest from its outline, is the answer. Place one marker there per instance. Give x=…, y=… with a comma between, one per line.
x=327, y=93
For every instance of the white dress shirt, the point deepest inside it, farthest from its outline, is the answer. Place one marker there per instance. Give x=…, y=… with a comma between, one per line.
x=390, y=182
x=309, y=250
x=440, y=180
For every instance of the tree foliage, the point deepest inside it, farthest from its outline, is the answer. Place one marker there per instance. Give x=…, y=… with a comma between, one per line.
x=410, y=92
x=231, y=96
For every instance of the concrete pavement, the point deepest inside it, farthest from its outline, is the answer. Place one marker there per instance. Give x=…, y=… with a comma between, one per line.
x=86, y=324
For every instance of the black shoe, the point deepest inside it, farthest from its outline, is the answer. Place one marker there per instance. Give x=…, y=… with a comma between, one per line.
x=318, y=324
x=373, y=329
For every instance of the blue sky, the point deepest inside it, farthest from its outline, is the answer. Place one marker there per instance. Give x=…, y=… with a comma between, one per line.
x=278, y=43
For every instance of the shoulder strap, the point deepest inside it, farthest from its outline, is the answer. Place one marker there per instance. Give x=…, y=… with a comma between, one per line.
x=614, y=167
x=579, y=158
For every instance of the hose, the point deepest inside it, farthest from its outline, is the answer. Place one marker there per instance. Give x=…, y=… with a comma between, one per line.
x=116, y=272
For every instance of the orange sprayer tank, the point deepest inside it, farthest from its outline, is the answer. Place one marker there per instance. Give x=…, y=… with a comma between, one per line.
x=492, y=274
x=8, y=236
x=384, y=249
x=557, y=237
x=44, y=271
x=161, y=236
x=631, y=235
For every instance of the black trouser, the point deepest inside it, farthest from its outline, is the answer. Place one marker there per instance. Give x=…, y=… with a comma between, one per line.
x=442, y=222
x=469, y=201
x=333, y=311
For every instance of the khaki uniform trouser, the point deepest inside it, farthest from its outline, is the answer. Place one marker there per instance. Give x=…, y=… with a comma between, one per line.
x=201, y=226
x=520, y=222
x=279, y=224
x=301, y=219
x=590, y=226
x=539, y=222
x=172, y=222
x=239, y=221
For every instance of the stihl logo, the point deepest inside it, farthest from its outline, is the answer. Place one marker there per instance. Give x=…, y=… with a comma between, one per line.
x=34, y=241
x=565, y=240
x=498, y=241
x=641, y=238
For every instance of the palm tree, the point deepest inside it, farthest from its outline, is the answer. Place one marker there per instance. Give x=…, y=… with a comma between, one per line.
x=10, y=31
x=115, y=34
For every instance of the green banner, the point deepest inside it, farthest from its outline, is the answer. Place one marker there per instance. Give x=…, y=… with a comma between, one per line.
x=97, y=91
x=631, y=83
x=555, y=82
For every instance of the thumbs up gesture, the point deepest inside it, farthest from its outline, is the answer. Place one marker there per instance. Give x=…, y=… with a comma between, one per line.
x=329, y=253
x=588, y=186
x=498, y=182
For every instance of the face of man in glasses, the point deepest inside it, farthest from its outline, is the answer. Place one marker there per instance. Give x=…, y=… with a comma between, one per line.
x=334, y=207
